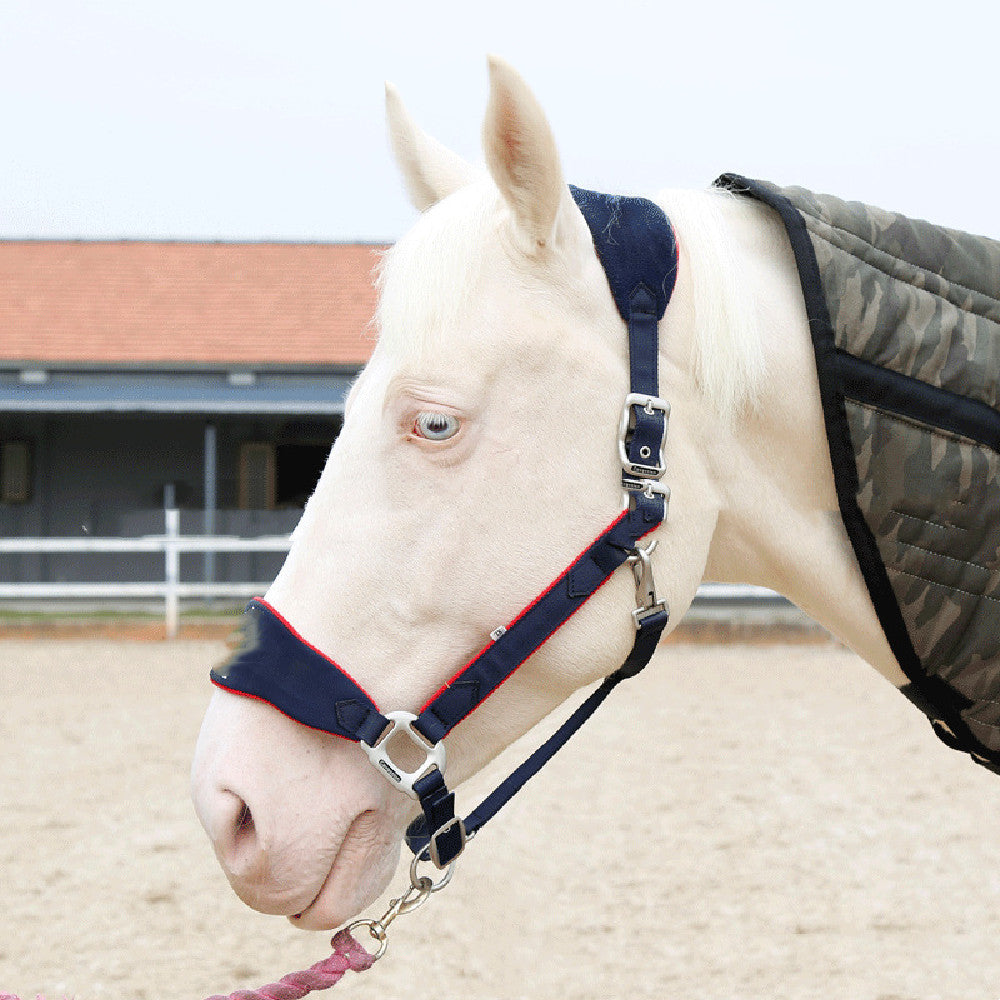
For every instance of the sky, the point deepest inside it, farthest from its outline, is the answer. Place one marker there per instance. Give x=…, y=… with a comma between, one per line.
x=209, y=119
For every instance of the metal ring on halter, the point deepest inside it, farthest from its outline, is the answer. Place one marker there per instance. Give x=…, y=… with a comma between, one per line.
x=416, y=880
x=424, y=855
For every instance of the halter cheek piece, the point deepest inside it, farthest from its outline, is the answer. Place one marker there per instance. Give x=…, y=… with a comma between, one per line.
x=636, y=245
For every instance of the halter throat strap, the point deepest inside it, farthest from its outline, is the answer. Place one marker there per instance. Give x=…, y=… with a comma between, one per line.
x=637, y=248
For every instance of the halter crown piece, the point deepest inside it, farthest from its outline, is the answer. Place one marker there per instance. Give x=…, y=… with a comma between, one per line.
x=635, y=243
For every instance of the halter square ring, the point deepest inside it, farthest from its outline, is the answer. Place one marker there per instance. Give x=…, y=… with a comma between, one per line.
x=402, y=722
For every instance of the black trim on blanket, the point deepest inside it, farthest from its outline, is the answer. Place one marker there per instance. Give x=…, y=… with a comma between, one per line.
x=916, y=400
x=835, y=416
x=940, y=702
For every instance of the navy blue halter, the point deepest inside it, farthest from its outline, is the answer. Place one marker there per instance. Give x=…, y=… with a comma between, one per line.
x=637, y=248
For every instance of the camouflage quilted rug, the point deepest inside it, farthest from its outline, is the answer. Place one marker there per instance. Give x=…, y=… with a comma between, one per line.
x=905, y=320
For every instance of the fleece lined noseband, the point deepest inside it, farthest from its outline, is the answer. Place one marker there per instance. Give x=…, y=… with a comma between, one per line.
x=636, y=245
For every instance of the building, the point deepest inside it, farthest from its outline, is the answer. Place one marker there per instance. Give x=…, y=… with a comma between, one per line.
x=134, y=375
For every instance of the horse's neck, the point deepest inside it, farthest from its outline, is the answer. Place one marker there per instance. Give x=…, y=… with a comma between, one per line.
x=778, y=523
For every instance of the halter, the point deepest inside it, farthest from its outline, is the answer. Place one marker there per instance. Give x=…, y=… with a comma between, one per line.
x=636, y=246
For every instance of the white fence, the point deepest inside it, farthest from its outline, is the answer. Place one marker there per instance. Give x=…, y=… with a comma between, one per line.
x=171, y=543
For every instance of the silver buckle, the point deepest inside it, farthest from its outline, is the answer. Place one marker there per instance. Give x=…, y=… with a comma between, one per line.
x=651, y=404
x=649, y=487
x=645, y=586
x=384, y=764
x=432, y=846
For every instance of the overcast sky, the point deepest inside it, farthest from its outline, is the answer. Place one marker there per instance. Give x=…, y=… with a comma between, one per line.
x=246, y=120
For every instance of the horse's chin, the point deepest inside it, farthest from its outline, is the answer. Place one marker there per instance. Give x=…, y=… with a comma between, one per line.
x=360, y=872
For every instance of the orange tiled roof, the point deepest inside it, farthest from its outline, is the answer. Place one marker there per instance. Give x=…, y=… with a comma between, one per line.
x=228, y=303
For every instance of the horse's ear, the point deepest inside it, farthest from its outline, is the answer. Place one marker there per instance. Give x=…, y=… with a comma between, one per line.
x=431, y=171
x=521, y=154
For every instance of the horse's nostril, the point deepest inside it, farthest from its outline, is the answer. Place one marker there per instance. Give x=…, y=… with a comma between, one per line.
x=244, y=836
x=244, y=822
x=235, y=834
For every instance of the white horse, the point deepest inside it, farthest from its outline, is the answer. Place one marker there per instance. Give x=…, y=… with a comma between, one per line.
x=491, y=400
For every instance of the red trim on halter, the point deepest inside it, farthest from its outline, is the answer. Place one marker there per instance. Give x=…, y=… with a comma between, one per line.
x=444, y=687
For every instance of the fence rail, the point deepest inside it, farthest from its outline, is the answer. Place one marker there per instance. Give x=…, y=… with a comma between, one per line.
x=171, y=589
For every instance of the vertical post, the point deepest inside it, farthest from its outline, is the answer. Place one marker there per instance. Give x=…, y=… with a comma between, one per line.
x=211, y=500
x=172, y=517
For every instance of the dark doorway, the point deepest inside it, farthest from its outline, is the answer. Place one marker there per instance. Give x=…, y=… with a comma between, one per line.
x=298, y=469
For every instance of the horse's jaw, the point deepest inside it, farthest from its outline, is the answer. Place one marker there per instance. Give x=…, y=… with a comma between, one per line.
x=316, y=844
x=361, y=869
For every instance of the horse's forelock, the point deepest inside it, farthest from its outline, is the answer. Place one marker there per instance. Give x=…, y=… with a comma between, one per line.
x=428, y=279
x=431, y=280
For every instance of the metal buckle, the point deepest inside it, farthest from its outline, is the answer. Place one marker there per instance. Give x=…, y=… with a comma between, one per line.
x=651, y=404
x=649, y=487
x=645, y=587
x=395, y=775
x=432, y=844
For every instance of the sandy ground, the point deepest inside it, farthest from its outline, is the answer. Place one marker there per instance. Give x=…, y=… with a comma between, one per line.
x=785, y=826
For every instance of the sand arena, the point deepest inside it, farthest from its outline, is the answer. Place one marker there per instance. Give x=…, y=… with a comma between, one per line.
x=787, y=829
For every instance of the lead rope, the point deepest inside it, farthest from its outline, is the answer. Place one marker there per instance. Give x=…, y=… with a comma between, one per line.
x=348, y=955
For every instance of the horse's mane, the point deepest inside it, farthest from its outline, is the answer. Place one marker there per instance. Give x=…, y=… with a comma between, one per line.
x=730, y=360
x=426, y=278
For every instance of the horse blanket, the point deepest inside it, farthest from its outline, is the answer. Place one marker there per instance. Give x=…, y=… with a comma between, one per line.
x=905, y=322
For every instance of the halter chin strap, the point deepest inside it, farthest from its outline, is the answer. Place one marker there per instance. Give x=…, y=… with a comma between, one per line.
x=637, y=248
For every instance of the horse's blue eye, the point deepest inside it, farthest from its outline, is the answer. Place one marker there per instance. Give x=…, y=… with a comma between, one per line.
x=436, y=426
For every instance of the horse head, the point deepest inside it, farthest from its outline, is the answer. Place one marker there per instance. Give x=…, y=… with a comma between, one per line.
x=477, y=459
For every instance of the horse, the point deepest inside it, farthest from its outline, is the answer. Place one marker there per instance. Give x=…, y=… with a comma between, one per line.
x=478, y=458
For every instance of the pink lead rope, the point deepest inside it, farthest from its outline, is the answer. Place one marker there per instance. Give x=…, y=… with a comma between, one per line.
x=347, y=955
